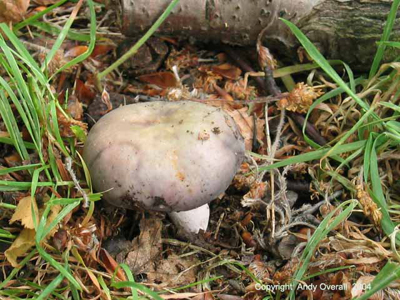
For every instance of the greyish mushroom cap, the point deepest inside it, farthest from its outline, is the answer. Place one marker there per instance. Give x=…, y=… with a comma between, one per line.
x=164, y=156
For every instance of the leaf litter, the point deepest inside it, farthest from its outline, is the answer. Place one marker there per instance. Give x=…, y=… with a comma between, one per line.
x=258, y=228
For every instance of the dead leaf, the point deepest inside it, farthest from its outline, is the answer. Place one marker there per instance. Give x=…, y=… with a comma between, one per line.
x=75, y=108
x=110, y=264
x=101, y=49
x=174, y=271
x=248, y=239
x=54, y=211
x=147, y=247
x=60, y=239
x=75, y=51
x=4, y=134
x=161, y=79
x=12, y=11
x=223, y=93
x=246, y=124
x=324, y=107
x=20, y=246
x=65, y=123
x=227, y=70
x=84, y=93
x=13, y=159
x=363, y=284
x=23, y=212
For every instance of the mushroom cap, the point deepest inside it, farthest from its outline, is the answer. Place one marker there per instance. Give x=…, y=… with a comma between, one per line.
x=164, y=156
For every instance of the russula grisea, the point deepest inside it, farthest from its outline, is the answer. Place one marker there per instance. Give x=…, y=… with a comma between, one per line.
x=164, y=156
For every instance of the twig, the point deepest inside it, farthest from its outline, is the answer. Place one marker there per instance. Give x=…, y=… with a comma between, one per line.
x=243, y=64
x=277, y=140
x=310, y=129
x=76, y=182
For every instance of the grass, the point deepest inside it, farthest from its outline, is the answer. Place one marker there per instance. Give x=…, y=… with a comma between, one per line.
x=27, y=100
x=28, y=89
x=382, y=135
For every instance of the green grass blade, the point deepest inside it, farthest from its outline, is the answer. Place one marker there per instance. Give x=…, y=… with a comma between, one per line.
x=323, y=98
x=57, y=44
x=53, y=165
x=15, y=271
x=375, y=176
x=44, y=231
x=317, y=154
x=50, y=287
x=327, y=225
x=140, y=42
x=377, y=192
x=35, y=180
x=12, y=126
x=131, y=279
x=31, y=127
x=385, y=37
x=37, y=16
x=22, y=50
x=105, y=288
x=390, y=44
x=359, y=123
x=323, y=63
x=137, y=286
x=92, y=43
x=351, y=77
x=367, y=156
x=55, y=128
x=57, y=266
x=342, y=180
x=391, y=105
x=72, y=35
x=389, y=273
x=28, y=112
x=284, y=71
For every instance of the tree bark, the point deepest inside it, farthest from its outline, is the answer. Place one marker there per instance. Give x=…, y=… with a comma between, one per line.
x=341, y=29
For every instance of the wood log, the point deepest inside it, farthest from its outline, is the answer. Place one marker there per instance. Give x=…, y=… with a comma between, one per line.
x=341, y=29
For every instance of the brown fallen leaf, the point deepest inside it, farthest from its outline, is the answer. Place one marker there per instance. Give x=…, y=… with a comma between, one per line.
x=84, y=92
x=75, y=51
x=363, y=283
x=245, y=123
x=161, y=79
x=26, y=239
x=174, y=271
x=54, y=211
x=101, y=49
x=4, y=134
x=75, y=108
x=110, y=264
x=20, y=246
x=147, y=247
x=12, y=11
x=23, y=212
x=227, y=70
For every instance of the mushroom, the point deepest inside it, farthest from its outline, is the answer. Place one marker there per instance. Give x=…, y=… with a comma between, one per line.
x=164, y=156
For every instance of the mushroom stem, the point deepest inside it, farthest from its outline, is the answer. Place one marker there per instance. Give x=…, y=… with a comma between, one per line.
x=193, y=220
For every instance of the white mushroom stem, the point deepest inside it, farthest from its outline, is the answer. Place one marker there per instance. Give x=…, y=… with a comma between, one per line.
x=192, y=220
